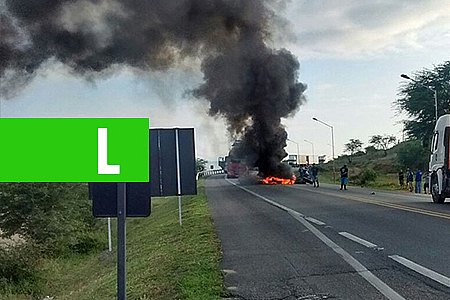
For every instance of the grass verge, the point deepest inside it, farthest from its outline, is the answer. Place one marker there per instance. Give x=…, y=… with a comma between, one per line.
x=383, y=181
x=164, y=260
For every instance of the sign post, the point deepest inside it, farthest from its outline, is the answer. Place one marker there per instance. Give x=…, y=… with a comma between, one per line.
x=121, y=240
x=177, y=151
x=109, y=236
x=172, y=173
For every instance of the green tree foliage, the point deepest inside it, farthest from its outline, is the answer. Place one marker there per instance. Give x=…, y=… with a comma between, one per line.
x=18, y=266
x=353, y=146
x=371, y=150
x=382, y=142
x=56, y=217
x=418, y=102
x=413, y=155
x=368, y=175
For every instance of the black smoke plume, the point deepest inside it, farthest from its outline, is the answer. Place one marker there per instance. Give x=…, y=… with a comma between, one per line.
x=246, y=82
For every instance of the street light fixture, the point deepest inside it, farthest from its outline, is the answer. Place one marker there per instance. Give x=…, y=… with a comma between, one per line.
x=298, y=150
x=332, y=145
x=312, y=145
x=428, y=88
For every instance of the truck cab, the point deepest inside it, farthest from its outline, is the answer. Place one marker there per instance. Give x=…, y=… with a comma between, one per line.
x=439, y=160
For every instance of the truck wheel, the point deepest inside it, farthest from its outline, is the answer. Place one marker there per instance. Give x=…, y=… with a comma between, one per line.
x=437, y=198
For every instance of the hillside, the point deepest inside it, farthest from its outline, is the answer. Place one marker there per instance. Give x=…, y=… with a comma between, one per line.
x=373, y=168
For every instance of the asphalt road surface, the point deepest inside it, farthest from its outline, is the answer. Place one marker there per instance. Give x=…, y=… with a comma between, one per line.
x=300, y=242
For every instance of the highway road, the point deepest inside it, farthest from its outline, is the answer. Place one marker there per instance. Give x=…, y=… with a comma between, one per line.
x=300, y=242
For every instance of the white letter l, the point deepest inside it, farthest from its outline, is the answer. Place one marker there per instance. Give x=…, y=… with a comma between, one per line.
x=103, y=167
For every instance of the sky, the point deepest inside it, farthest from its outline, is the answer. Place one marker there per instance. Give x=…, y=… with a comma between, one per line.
x=351, y=56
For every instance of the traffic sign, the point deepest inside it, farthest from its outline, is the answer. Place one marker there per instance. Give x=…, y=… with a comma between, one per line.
x=172, y=162
x=104, y=196
x=172, y=166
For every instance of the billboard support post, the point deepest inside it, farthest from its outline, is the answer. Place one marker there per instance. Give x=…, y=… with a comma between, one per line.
x=109, y=236
x=177, y=147
x=121, y=240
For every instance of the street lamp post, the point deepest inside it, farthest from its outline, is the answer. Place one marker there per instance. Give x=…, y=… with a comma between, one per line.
x=428, y=88
x=332, y=145
x=298, y=150
x=312, y=145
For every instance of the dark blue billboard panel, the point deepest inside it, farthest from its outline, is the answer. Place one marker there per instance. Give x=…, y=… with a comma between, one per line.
x=164, y=175
x=187, y=161
x=104, y=196
x=165, y=161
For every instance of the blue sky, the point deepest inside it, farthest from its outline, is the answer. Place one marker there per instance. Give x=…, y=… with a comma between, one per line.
x=351, y=54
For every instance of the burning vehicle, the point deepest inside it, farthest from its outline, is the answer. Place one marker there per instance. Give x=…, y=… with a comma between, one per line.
x=234, y=168
x=277, y=180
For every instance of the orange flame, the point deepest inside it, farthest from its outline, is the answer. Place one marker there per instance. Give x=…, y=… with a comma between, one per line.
x=278, y=180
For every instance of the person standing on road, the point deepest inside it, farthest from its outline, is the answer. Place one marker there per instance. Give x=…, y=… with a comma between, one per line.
x=344, y=177
x=426, y=184
x=409, y=179
x=401, y=178
x=315, y=175
x=418, y=181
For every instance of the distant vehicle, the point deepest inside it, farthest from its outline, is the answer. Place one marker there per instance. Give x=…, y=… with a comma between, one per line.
x=233, y=168
x=303, y=176
x=440, y=160
x=222, y=162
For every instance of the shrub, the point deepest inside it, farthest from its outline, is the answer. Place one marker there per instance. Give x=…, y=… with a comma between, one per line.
x=86, y=243
x=367, y=175
x=18, y=268
x=55, y=216
x=413, y=155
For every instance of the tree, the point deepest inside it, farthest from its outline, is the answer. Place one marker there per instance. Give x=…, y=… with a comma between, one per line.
x=382, y=142
x=353, y=146
x=413, y=155
x=370, y=150
x=418, y=102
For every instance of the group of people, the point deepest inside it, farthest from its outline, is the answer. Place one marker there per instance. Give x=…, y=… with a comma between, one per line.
x=313, y=171
x=416, y=177
x=413, y=179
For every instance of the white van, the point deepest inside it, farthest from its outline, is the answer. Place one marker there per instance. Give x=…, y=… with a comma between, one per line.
x=440, y=160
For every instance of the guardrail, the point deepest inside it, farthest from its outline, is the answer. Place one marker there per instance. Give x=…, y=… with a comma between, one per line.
x=209, y=173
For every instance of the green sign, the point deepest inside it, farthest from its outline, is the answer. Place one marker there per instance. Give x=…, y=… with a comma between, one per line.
x=74, y=150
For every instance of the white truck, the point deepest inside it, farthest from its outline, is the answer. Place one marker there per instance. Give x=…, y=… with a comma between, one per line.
x=440, y=160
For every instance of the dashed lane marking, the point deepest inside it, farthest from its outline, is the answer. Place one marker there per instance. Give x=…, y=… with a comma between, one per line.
x=315, y=221
x=358, y=240
x=382, y=287
x=422, y=270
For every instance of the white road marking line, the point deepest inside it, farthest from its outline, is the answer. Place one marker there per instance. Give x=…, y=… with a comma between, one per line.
x=282, y=207
x=422, y=270
x=315, y=221
x=382, y=287
x=358, y=240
